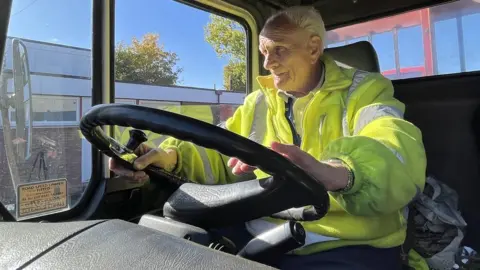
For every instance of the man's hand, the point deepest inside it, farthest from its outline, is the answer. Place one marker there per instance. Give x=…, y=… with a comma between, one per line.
x=333, y=177
x=146, y=156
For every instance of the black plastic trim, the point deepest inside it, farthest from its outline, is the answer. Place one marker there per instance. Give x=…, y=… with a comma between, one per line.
x=112, y=51
x=271, y=4
x=5, y=214
x=432, y=88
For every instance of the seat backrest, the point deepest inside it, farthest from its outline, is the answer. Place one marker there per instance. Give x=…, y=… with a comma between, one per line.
x=360, y=55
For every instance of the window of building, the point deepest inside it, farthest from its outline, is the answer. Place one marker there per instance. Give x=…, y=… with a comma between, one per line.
x=56, y=109
x=53, y=111
x=385, y=47
x=438, y=40
x=471, y=41
x=447, y=49
x=410, y=47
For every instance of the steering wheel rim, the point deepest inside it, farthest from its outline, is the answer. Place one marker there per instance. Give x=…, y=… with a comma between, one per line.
x=202, y=134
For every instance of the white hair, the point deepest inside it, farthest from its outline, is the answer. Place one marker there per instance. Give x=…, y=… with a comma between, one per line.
x=305, y=17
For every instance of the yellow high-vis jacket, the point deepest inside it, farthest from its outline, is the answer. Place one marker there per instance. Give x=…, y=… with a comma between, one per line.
x=353, y=117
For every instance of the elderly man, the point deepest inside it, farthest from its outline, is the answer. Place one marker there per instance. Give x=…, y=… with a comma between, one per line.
x=341, y=125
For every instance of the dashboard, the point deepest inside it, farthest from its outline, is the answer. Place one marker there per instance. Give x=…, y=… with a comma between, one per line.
x=105, y=244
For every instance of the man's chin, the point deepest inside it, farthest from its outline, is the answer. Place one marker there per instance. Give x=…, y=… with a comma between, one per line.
x=279, y=84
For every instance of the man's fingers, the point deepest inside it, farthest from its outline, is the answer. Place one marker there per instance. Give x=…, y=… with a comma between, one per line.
x=288, y=150
x=247, y=168
x=140, y=176
x=119, y=170
x=232, y=162
x=154, y=157
x=236, y=168
x=296, y=155
x=142, y=149
x=241, y=168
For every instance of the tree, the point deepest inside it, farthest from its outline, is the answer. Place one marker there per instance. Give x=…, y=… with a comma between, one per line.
x=146, y=61
x=228, y=39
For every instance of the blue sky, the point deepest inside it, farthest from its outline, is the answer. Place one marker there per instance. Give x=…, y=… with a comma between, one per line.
x=181, y=30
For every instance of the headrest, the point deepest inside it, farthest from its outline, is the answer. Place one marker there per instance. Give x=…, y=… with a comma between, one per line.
x=360, y=55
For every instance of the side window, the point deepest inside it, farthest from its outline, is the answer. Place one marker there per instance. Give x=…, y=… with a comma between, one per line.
x=195, y=66
x=44, y=84
x=443, y=39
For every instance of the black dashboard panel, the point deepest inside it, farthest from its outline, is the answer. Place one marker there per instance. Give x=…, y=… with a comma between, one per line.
x=113, y=244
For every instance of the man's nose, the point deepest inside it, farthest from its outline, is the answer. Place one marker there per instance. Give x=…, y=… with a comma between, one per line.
x=269, y=62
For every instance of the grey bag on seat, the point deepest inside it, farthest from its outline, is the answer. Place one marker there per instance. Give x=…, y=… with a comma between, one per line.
x=439, y=226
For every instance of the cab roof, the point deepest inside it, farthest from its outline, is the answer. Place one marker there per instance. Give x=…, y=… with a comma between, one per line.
x=338, y=13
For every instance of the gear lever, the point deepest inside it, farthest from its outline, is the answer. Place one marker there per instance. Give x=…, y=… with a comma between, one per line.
x=137, y=137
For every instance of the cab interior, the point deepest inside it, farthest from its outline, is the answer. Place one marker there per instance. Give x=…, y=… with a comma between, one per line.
x=444, y=106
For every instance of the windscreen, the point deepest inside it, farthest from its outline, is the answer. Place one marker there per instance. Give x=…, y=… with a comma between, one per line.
x=195, y=66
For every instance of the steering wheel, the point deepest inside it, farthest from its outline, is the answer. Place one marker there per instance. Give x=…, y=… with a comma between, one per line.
x=289, y=193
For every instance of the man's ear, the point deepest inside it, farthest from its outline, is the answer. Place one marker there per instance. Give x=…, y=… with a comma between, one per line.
x=316, y=48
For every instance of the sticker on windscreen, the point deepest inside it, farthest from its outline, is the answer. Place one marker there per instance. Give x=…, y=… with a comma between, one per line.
x=41, y=197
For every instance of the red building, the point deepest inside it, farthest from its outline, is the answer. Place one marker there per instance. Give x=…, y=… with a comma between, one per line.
x=423, y=42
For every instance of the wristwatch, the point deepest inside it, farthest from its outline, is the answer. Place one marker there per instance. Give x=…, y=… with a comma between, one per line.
x=351, y=175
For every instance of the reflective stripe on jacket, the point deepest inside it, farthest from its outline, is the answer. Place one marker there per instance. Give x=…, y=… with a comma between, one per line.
x=354, y=117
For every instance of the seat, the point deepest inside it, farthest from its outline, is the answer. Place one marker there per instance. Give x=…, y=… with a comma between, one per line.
x=360, y=55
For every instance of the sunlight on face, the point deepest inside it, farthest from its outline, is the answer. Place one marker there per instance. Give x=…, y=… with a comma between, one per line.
x=291, y=55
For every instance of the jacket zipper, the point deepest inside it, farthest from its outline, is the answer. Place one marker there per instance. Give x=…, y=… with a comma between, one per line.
x=289, y=115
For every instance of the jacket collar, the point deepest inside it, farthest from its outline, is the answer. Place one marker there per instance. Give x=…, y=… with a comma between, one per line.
x=335, y=78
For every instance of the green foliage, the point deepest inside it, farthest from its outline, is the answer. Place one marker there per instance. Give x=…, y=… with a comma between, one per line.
x=228, y=39
x=146, y=61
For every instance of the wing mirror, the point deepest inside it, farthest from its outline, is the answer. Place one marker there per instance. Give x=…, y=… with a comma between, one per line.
x=18, y=146
x=20, y=100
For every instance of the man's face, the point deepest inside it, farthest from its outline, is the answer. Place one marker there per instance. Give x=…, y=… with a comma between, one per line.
x=291, y=55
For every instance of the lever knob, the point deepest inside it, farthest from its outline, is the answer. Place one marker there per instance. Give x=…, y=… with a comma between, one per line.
x=137, y=137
